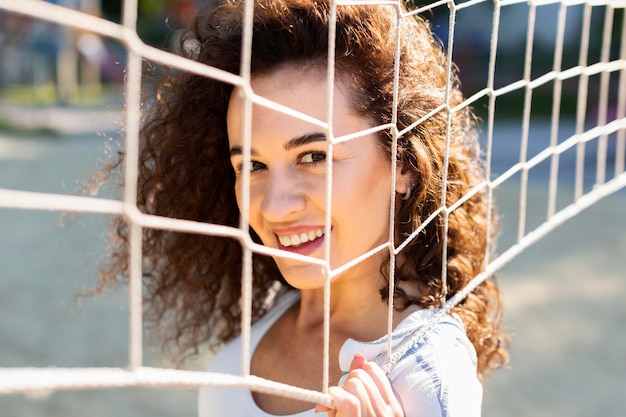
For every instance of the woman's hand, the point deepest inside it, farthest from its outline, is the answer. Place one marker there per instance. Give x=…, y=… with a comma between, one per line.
x=366, y=393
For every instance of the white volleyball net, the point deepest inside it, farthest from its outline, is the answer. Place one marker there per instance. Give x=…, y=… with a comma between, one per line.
x=563, y=60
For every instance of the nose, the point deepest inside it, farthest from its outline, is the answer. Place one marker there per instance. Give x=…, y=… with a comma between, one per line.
x=283, y=196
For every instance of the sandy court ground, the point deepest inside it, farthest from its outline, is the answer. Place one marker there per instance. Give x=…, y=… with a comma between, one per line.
x=566, y=311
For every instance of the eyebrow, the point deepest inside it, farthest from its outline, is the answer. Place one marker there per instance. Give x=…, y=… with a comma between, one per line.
x=291, y=144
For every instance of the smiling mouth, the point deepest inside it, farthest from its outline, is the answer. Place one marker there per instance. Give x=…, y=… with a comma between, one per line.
x=297, y=239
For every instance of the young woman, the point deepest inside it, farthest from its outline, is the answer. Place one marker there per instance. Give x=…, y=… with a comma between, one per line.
x=192, y=162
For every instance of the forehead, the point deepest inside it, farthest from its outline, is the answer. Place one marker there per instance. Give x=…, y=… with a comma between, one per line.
x=305, y=91
x=285, y=84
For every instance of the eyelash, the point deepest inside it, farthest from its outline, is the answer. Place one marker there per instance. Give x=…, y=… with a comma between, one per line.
x=318, y=157
x=239, y=166
x=313, y=153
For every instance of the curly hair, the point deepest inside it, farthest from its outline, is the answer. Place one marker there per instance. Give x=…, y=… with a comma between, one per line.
x=193, y=281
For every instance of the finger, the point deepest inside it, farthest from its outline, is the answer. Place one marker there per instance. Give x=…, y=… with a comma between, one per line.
x=363, y=392
x=358, y=361
x=379, y=379
x=320, y=408
x=345, y=402
x=371, y=385
x=373, y=377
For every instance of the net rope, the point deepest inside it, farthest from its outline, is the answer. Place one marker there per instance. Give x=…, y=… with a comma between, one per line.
x=43, y=380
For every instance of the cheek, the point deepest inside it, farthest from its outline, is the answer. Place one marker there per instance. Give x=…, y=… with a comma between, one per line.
x=239, y=195
x=255, y=195
x=364, y=194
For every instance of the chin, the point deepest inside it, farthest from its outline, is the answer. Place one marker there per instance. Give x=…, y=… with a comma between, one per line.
x=304, y=277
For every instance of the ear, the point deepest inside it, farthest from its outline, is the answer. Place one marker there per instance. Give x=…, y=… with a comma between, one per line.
x=405, y=179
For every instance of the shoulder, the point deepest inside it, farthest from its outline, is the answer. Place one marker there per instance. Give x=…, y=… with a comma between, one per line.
x=437, y=374
x=228, y=358
x=227, y=400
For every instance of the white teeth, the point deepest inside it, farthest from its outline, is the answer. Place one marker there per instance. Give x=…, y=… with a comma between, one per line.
x=298, y=239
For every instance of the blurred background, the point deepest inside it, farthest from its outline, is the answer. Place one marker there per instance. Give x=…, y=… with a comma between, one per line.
x=61, y=118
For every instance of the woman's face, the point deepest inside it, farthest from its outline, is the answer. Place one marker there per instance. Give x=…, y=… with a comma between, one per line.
x=288, y=177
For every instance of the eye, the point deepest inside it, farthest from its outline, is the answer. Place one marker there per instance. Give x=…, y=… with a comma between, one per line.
x=312, y=157
x=257, y=166
x=254, y=166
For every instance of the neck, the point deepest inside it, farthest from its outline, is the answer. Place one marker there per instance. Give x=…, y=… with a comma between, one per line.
x=355, y=308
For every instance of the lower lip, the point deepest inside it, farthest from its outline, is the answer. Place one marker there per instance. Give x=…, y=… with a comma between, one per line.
x=304, y=248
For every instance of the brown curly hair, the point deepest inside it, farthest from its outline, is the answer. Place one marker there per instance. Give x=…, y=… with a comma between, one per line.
x=193, y=281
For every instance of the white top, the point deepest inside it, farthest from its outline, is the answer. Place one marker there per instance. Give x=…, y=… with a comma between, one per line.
x=437, y=377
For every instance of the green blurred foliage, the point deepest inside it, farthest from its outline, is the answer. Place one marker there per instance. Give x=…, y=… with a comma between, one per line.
x=156, y=19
